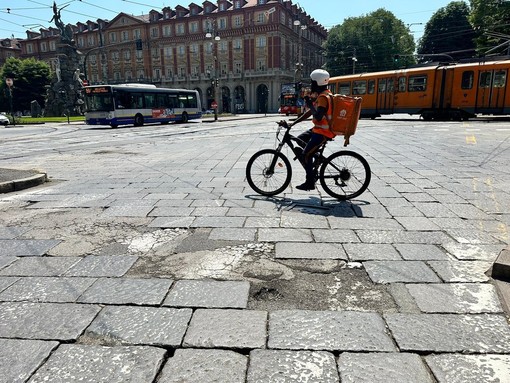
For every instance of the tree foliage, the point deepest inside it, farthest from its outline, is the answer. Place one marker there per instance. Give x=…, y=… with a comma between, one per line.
x=31, y=77
x=367, y=43
x=449, y=32
x=488, y=17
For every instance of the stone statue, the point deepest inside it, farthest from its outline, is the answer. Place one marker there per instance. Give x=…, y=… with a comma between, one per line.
x=66, y=33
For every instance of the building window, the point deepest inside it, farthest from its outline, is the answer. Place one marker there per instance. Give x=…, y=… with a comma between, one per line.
x=168, y=52
x=261, y=42
x=194, y=70
x=179, y=29
x=127, y=55
x=223, y=7
x=128, y=75
x=193, y=49
x=154, y=32
x=261, y=18
x=169, y=73
x=222, y=23
x=238, y=21
x=223, y=46
x=125, y=35
x=139, y=55
x=30, y=48
x=238, y=4
x=141, y=74
x=261, y=2
x=182, y=72
x=113, y=37
x=115, y=56
x=90, y=41
x=261, y=65
x=157, y=74
x=44, y=47
x=138, y=34
x=53, y=46
x=224, y=68
x=238, y=67
x=193, y=27
x=167, y=31
x=155, y=53
x=116, y=76
x=80, y=42
x=208, y=48
x=181, y=50
x=237, y=44
x=93, y=59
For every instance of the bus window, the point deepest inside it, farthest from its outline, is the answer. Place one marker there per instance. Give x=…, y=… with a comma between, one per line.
x=391, y=85
x=183, y=101
x=161, y=101
x=417, y=83
x=485, y=79
x=500, y=79
x=192, y=101
x=150, y=100
x=371, y=86
x=467, y=79
x=359, y=87
x=402, y=84
x=344, y=88
x=382, y=85
x=137, y=100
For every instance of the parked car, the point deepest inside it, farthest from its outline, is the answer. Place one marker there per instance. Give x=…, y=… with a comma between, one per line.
x=4, y=120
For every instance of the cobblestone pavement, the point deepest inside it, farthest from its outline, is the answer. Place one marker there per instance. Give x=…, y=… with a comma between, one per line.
x=153, y=261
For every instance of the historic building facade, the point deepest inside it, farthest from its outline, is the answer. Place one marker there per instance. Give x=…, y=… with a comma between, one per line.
x=236, y=52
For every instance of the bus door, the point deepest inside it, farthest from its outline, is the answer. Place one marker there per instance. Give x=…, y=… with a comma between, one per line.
x=385, y=95
x=492, y=85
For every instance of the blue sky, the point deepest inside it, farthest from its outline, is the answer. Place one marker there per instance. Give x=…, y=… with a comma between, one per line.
x=26, y=14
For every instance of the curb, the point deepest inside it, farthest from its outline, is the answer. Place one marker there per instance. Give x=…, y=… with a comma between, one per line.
x=501, y=267
x=23, y=183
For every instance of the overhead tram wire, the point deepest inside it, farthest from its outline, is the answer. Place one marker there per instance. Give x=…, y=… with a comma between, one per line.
x=97, y=6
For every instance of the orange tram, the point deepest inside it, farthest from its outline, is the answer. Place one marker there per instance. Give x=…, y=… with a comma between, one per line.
x=453, y=91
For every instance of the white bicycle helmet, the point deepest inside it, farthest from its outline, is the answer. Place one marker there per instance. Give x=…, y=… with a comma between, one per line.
x=320, y=76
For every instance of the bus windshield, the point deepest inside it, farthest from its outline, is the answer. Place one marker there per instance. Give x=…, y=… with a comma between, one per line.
x=99, y=99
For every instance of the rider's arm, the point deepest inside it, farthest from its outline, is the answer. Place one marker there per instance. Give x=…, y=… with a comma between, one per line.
x=303, y=117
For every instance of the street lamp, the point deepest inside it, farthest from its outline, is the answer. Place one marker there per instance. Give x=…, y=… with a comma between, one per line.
x=10, y=82
x=215, y=81
x=298, y=73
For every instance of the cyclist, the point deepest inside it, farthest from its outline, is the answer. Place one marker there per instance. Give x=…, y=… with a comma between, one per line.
x=319, y=108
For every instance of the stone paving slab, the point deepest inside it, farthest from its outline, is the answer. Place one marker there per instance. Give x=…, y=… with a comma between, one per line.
x=435, y=333
x=40, y=266
x=200, y=366
x=303, y=250
x=172, y=222
x=461, y=271
x=102, y=266
x=11, y=232
x=455, y=368
x=371, y=252
x=284, y=235
x=214, y=328
x=328, y=330
x=383, y=367
x=123, y=291
x=400, y=236
x=20, y=358
x=26, y=247
x=5, y=282
x=473, y=252
x=46, y=289
x=52, y=321
x=5, y=261
x=140, y=325
x=458, y=298
x=283, y=366
x=233, y=234
x=335, y=236
x=98, y=364
x=400, y=271
x=209, y=294
x=413, y=252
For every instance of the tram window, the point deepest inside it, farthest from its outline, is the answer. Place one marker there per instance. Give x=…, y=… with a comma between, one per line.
x=359, y=87
x=371, y=86
x=402, y=84
x=500, y=79
x=382, y=85
x=391, y=85
x=485, y=79
x=332, y=88
x=344, y=88
x=417, y=83
x=467, y=79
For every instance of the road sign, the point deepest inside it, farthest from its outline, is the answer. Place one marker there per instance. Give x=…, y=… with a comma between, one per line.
x=214, y=104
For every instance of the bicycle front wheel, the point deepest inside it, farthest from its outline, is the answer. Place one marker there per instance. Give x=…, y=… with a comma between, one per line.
x=268, y=172
x=345, y=175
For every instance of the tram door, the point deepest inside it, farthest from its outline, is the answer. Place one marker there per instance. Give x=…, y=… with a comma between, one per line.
x=385, y=95
x=492, y=85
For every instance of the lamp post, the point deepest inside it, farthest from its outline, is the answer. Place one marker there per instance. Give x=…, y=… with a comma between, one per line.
x=299, y=65
x=10, y=82
x=215, y=81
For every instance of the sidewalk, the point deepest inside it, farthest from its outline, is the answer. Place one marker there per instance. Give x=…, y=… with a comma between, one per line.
x=14, y=180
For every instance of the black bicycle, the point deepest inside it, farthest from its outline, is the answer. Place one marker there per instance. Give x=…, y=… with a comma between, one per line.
x=343, y=175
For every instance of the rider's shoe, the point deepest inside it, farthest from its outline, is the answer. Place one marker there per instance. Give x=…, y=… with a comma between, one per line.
x=306, y=186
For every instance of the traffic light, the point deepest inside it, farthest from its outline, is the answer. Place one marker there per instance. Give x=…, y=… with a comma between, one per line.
x=396, y=58
x=217, y=83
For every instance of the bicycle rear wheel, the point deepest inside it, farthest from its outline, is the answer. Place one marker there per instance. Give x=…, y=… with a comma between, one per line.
x=345, y=175
x=268, y=172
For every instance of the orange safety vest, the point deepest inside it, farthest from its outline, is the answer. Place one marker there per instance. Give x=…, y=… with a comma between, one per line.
x=322, y=126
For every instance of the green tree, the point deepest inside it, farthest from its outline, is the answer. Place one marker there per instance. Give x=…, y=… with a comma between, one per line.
x=30, y=80
x=491, y=17
x=368, y=43
x=449, y=32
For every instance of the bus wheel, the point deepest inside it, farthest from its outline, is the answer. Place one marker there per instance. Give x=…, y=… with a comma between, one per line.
x=138, y=120
x=184, y=117
x=114, y=126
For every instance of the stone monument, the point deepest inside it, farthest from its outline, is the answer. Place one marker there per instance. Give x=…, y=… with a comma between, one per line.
x=65, y=93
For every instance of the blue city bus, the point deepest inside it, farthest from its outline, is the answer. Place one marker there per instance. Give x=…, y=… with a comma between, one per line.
x=137, y=104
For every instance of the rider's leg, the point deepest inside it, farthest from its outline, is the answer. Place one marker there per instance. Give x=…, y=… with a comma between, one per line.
x=311, y=148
